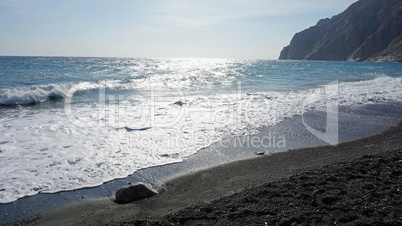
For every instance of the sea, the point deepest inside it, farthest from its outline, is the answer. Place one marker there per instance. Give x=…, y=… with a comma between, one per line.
x=76, y=122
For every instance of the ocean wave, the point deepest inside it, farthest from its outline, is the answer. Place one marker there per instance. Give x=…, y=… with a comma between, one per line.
x=31, y=95
x=380, y=89
x=43, y=93
x=106, y=142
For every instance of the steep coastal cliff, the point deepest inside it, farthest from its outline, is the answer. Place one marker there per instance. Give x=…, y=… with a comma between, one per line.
x=369, y=30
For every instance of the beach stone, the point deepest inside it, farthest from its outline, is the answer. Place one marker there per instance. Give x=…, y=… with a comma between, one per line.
x=134, y=192
x=180, y=103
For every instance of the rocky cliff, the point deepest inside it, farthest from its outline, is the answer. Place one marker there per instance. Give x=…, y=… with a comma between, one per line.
x=369, y=30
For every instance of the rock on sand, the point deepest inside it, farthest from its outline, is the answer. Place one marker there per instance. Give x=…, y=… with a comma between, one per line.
x=134, y=192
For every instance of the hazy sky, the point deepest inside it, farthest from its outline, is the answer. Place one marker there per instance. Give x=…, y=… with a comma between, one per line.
x=252, y=29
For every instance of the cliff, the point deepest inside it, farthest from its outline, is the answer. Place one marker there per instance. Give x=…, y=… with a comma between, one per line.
x=369, y=30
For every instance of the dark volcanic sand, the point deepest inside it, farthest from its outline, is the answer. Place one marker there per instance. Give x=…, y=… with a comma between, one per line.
x=364, y=191
x=355, y=182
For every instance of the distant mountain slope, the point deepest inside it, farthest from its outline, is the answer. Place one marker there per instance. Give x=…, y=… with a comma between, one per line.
x=369, y=30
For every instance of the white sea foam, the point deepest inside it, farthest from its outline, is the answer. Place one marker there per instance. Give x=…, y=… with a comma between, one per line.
x=29, y=95
x=42, y=93
x=50, y=150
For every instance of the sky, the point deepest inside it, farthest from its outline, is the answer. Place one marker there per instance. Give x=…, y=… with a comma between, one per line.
x=245, y=29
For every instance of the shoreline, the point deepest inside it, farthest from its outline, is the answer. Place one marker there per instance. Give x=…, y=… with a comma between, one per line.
x=205, y=186
x=364, y=191
x=355, y=122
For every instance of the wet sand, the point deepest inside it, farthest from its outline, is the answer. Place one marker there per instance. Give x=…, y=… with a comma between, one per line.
x=365, y=191
x=304, y=185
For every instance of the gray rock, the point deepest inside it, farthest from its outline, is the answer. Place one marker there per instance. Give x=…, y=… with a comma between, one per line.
x=180, y=103
x=369, y=30
x=134, y=192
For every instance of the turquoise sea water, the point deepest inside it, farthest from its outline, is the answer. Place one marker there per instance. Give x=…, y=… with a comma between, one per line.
x=68, y=123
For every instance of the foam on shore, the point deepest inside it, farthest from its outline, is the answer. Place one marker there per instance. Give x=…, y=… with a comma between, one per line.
x=81, y=145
